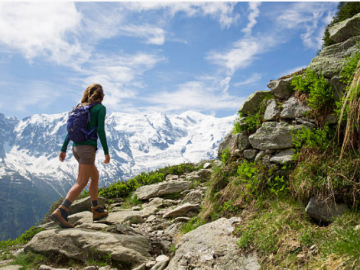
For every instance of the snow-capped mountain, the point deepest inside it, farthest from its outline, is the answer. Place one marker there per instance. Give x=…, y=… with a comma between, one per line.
x=29, y=148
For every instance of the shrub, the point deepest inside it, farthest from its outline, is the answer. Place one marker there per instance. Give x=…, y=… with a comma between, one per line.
x=320, y=93
x=225, y=155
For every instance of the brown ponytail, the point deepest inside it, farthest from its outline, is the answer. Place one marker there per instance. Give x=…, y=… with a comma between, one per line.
x=94, y=93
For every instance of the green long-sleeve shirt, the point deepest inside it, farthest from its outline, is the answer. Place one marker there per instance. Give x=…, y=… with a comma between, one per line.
x=97, y=118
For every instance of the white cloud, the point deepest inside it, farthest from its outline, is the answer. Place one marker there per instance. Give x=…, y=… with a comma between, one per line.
x=41, y=29
x=195, y=95
x=254, y=78
x=120, y=75
x=220, y=11
x=242, y=54
x=151, y=34
x=254, y=13
x=307, y=16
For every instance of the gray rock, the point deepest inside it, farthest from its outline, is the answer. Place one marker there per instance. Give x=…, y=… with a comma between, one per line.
x=212, y=246
x=159, y=266
x=224, y=144
x=193, y=197
x=253, y=102
x=91, y=268
x=84, y=205
x=123, y=229
x=122, y=217
x=46, y=267
x=173, y=229
x=193, y=176
x=162, y=258
x=207, y=165
x=205, y=174
x=48, y=226
x=79, y=243
x=283, y=156
x=152, y=207
x=346, y=29
x=324, y=211
x=280, y=88
x=171, y=177
x=250, y=153
x=160, y=189
x=181, y=219
x=93, y=226
x=182, y=210
x=272, y=111
x=273, y=135
x=80, y=218
x=292, y=108
x=357, y=228
x=331, y=59
x=305, y=122
x=217, y=163
x=150, y=264
x=259, y=156
x=140, y=267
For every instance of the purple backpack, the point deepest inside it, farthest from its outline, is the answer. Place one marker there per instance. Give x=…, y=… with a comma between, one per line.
x=77, y=124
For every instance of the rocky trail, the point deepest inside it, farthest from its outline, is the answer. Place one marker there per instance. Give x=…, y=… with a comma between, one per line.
x=148, y=235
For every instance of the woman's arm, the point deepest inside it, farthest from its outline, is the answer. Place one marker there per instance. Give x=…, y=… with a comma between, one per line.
x=101, y=129
x=65, y=143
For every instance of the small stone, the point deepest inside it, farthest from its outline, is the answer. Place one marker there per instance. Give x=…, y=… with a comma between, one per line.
x=357, y=228
x=162, y=258
x=250, y=153
x=171, y=177
x=259, y=156
x=136, y=208
x=159, y=266
x=91, y=268
x=150, y=218
x=160, y=232
x=150, y=264
x=140, y=267
x=207, y=165
x=181, y=219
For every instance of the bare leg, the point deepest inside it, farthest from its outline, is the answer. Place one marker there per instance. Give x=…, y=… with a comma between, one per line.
x=94, y=184
x=85, y=171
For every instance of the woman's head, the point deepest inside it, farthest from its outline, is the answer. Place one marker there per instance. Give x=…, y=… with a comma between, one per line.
x=94, y=93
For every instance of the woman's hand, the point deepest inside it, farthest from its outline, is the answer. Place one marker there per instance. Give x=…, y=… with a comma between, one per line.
x=62, y=156
x=107, y=159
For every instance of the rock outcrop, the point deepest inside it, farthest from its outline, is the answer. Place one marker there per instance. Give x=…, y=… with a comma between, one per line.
x=196, y=250
x=160, y=189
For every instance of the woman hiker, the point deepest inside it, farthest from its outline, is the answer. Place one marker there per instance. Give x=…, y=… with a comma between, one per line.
x=85, y=152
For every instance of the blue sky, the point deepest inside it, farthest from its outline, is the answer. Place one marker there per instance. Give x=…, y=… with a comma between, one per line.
x=169, y=56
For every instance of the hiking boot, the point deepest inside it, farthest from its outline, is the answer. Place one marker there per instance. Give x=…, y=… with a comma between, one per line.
x=98, y=212
x=60, y=216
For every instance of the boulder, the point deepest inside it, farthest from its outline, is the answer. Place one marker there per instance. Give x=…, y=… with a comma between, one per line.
x=193, y=197
x=182, y=210
x=281, y=88
x=273, y=135
x=346, y=29
x=212, y=246
x=250, y=153
x=224, y=144
x=160, y=189
x=253, y=102
x=80, y=244
x=324, y=212
x=84, y=205
x=207, y=165
x=123, y=216
x=171, y=177
x=331, y=59
x=93, y=226
x=80, y=218
x=283, y=156
x=204, y=174
x=272, y=111
x=292, y=108
x=159, y=266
